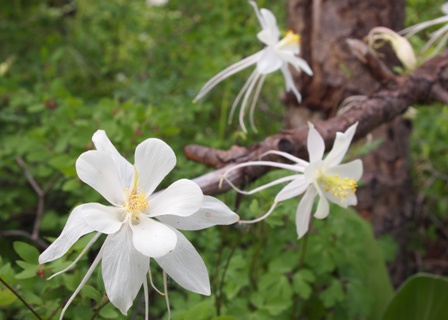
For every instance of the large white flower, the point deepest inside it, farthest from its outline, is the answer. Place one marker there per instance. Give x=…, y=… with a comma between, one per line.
x=134, y=236
x=326, y=178
x=440, y=35
x=275, y=56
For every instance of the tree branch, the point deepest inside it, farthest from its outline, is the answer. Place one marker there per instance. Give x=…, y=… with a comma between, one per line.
x=41, y=198
x=426, y=84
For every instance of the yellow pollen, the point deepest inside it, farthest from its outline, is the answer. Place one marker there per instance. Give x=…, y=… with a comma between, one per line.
x=136, y=202
x=341, y=188
x=291, y=38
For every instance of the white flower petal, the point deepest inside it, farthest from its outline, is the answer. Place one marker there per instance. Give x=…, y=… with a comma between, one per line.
x=152, y=238
x=227, y=72
x=269, y=61
x=124, y=269
x=125, y=169
x=252, y=81
x=297, y=62
x=299, y=162
x=340, y=146
x=265, y=186
x=293, y=189
x=352, y=170
x=74, y=229
x=186, y=266
x=98, y=170
x=268, y=22
x=316, y=145
x=249, y=83
x=410, y=31
x=154, y=159
x=444, y=8
x=289, y=82
x=182, y=198
x=323, y=208
x=212, y=212
x=103, y=219
x=83, y=282
x=303, y=212
x=342, y=202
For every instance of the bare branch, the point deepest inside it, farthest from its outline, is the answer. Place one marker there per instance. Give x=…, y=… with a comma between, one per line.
x=20, y=233
x=41, y=198
x=377, y=68
x=421, y=86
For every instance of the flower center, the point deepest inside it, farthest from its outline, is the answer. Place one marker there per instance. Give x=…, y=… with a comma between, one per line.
x=341, y=188
x=290, y=38
x=136, y=201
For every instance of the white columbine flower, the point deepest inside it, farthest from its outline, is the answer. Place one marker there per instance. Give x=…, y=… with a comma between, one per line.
x=440, y=35
x=275, y=56
x=133, y=233
x=401, y=46
x=326, y=178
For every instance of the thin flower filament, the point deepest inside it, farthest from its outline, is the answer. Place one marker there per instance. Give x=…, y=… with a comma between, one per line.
x=341, y=188
x=136, y=201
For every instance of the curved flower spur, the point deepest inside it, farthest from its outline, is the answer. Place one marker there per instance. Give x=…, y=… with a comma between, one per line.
x=326, y=178
x=440, y=35
x=133, y=233
x=275, y=56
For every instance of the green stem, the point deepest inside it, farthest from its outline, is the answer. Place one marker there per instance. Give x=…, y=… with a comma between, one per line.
x=101, y=306
x=20, y=298
x=226, y=266
x=302, y=256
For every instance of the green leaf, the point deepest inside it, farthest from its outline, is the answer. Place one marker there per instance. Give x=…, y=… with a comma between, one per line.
x=301, y=283
x=29, y=270
x=90, y=292
x=109, y=312
x=6, y=298
x=422, y=296
x=201, y=311
x=332, y=294
x=27, y=252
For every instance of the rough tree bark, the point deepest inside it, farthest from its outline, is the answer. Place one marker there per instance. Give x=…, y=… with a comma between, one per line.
x=325, y=26
x=341, y=69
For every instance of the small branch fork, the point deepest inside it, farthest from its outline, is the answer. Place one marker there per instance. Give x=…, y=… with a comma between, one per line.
x=40, y=194
x=34, y=236
x=426, y=84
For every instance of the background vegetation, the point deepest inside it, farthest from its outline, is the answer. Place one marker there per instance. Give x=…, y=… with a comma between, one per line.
x=69, y=68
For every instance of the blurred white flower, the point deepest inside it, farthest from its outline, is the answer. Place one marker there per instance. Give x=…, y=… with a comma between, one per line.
x=156, y=3
x=133, y=235
x=275, y=56
x=326, y=178
x=401, y=46
x=6, y=65
x=440, y=35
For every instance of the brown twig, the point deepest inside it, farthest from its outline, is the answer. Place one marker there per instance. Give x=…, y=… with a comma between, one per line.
x=20, y=233
x=377, y=68
x=20, y=298
x=41, y=198
x=392, y=100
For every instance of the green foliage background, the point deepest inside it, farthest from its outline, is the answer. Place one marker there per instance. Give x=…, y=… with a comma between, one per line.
x=133, y=70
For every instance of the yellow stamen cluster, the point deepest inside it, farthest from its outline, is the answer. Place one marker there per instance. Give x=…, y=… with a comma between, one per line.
x=291, y=38
x=341, y=188
x=136, y=202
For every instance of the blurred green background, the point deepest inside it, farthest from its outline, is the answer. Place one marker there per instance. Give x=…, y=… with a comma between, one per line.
x=69, y=68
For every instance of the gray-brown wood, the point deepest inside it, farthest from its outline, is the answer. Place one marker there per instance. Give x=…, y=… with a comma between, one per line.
x=332, y=33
